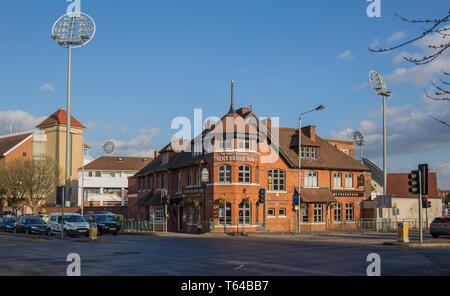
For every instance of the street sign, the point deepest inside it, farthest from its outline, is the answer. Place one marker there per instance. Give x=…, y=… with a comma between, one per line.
x=205, y=175
x=295, y=200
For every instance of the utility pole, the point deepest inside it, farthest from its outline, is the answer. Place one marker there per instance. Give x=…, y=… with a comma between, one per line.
x=420, y=208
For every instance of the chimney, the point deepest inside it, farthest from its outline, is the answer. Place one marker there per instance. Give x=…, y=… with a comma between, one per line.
x=267, y=123
x=156, y=154
x=310, y=132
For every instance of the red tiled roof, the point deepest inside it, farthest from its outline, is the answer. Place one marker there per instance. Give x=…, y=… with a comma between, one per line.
x=397, y=185
x=60, y=117
x=118, y=163
x=7, y=143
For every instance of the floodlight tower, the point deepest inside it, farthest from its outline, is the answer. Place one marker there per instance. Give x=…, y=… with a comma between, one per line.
x=358, y=138
x=72, y=30
x=379, y=86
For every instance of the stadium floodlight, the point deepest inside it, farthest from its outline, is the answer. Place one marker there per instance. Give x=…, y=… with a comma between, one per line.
x=63, y=33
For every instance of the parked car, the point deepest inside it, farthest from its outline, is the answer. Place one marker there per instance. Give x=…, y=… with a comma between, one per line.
x=7, y=224
x=440, y=226
x=8, y=214
x=30, y=224
x=74, y=224
x=105, y=223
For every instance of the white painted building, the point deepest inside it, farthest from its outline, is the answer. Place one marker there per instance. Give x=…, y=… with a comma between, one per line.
x=104, y=181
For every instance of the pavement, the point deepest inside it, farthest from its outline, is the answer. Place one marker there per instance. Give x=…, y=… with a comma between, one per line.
x=332, y=254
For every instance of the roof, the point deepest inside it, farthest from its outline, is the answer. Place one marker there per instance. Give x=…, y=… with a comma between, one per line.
x=60, y=117
x=9, y=143
x=377, y=172
x=327, y=156
x=118, y=163
x=309, y=195
x=397, y=186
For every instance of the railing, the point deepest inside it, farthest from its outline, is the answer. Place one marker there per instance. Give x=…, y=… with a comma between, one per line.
x=142, y=225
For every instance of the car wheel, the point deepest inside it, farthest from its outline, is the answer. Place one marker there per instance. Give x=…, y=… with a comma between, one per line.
x=27, y=232
x=15, y=230
x=66, y=234
x=115, y=232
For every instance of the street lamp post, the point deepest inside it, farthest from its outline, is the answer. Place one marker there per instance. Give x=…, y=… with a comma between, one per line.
x=319, y=108
x=72, y=30
x=381, y=90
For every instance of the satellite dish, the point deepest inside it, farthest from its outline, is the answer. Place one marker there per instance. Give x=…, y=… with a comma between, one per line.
x=108, y=147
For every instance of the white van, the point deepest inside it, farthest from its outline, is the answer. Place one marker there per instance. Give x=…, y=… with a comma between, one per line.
x=74, y=224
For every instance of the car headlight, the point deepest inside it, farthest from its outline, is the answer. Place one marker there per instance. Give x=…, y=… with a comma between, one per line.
x=102, y=225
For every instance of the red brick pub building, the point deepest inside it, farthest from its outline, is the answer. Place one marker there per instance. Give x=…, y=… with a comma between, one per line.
x=214, y=184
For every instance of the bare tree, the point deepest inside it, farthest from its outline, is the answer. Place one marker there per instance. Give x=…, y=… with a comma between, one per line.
x=435, y=26
x=11, y=180
x=40, y=180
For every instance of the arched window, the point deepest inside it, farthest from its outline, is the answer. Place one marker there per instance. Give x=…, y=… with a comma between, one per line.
x=338, y=212
x=225, y=214
x=245, y=217
x=349, y=212
x=276, y=180
x=225, y=174
x=349, y=180
x=245, y=174
x=337, y=180
x=311, y=179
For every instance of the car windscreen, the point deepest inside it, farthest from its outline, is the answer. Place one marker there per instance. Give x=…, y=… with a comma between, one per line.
x=34, y=221
x=103, y=218
x=74, y=219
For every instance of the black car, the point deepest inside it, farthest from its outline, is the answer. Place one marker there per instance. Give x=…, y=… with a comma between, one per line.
x=105, y=223
x=30, y=224
x=7, y=214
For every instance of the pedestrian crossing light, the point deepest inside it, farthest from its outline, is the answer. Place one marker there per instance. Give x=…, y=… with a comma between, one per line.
x=414, y=182
x=425, y=203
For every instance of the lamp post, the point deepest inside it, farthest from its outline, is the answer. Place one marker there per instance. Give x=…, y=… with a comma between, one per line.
x=381, y=90
x=319, y=108
x=72, y=30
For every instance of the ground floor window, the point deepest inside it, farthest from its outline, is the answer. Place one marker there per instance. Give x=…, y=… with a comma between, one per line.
x=349, y=212
x=305, y=216
x=271, y=212
x=197, y=216
x=318, y=213
x=282, y=212
x=225, y=214
x=245, y=217
x=157, y=214
x=338, y=212
x=190, y=215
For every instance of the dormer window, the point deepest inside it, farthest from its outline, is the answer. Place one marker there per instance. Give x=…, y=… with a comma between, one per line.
x=165, y=158
x=308, y=152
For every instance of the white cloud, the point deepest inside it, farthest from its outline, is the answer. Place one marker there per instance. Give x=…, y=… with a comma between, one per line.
x=140, y=145
x=396, y=36
x=346, y=55
x=21, y=121
x=443, y=174
x=47, y=87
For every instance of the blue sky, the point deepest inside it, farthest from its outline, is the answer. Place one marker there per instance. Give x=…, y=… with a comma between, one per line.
x=151, y=61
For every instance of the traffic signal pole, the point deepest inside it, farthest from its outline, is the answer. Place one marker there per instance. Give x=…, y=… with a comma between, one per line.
x=420, y=208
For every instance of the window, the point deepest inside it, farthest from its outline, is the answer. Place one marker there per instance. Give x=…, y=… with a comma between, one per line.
x=190, y=215
x=311, y=179
x=225, y=174
x=225, y=214
x=90, y=173
x=159, y=182
x=245, y=213
x=157, y=214
x=109, y=174
x=245, y=174
x=276, y=180
x=308, y=152
x=141, y=184
x=165, y=158
x=282, y=212
x=197, y=177
x=98, y=174
x=225, y=144
x=197, y=216
x=318, y=213
x=338, y=212
x=179, y=189
x=349, y=212
x=349, y=180
x=244, y=143
x=149, y=180
x=305, y=214
x=337, y=180
x=190, y=178
x=271, y=212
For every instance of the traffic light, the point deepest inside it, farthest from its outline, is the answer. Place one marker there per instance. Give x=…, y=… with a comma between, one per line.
x=423, y=168
x=164, y=197
x=414, y=187
x=425, y=203
x=262, y=196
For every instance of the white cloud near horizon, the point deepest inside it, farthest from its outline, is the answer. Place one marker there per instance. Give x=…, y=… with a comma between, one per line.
x=19, y=120
x=346, y=55
x=47, y=87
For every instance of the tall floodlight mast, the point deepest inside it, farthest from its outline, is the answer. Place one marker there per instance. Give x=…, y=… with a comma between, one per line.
x=72, y=30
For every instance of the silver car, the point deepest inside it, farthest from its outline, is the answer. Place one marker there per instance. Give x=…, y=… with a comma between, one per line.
x=440, y=226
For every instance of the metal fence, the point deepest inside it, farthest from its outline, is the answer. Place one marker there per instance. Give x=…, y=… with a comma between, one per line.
x=287, y=225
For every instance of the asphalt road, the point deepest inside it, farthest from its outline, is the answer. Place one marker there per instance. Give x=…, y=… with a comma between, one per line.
x=221, y=256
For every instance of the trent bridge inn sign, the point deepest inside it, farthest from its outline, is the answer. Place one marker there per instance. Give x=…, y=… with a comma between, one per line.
x=234, y=157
